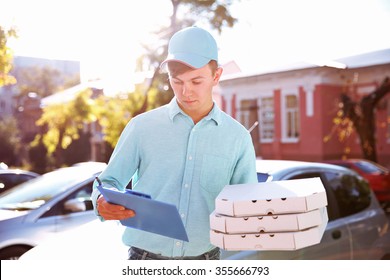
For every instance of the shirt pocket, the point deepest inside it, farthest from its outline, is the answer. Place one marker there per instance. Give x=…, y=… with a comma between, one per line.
x=214, y=173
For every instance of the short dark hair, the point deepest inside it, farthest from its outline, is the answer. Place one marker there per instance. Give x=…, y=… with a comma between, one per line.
x=176, y=68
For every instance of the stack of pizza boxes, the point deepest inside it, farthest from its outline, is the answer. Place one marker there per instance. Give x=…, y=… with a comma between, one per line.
x=278, y=215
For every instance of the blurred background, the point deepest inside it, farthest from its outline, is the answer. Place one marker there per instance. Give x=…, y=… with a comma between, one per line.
x=73, y=73
x=309, y=79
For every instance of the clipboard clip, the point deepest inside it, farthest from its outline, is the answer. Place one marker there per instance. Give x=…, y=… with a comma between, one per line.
x=144, y=195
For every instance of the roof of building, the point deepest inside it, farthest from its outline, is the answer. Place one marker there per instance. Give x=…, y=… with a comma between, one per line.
x=106, y=86
x=362, y=60
x=69, y=94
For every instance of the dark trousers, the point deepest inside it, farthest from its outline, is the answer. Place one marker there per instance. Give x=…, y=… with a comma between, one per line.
x=140, y=254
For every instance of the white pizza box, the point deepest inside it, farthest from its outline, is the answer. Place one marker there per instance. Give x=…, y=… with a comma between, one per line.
x=267, y=223
x=267, y=241
x=276, y=197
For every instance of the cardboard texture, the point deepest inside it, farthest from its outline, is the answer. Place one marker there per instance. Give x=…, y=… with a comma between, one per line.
x=270, y=241
x=278, y=215
x=269, y=223
x=277, y=197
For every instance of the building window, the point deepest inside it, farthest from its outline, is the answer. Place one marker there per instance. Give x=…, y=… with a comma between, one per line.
x=245, y=118
x=248, y=112
x=290, y=123
x=267, y=119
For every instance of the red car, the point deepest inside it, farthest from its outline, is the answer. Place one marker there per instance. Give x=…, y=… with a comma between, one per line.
x=377, y=175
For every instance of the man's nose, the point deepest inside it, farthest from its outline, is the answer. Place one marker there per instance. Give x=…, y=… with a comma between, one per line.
x=186, y=90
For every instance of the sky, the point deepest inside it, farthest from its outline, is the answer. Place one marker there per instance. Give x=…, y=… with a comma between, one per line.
x=105, y=34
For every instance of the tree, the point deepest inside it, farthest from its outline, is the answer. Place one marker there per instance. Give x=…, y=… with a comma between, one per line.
x=213, y=12
x=113, y=113
x=361, y=117
x=6, y=57
x=64, y=122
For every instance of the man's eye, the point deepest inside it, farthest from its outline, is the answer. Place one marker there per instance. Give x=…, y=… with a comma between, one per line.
x=196, y=82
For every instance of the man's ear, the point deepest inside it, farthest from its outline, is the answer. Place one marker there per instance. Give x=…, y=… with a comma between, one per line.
x=218, y=74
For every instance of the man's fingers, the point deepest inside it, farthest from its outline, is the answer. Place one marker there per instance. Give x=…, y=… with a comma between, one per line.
x=113, y=211
x=120, y=215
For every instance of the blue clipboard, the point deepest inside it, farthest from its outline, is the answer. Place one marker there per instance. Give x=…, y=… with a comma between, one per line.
x=150, y=215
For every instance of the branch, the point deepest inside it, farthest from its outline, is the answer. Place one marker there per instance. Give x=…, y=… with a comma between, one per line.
x=349, y=107
x=378, y=93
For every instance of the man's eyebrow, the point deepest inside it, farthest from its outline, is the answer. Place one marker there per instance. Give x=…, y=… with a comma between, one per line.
x=195, y=78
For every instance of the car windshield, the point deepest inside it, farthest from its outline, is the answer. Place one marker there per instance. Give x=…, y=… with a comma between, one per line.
x=371, y=168
x=36, y=192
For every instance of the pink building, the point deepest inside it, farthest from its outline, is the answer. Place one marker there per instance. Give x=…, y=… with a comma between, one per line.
x=295, y=107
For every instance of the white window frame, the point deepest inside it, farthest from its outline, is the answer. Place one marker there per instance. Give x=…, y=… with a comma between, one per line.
x=262, y=125
x=285, y=111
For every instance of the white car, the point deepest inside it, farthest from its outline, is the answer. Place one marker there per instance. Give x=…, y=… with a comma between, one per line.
x=57, y=201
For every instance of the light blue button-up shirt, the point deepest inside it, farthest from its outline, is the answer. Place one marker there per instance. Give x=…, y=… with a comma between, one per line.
x=183, y=164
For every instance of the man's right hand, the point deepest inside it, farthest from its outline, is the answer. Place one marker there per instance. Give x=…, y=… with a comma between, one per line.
x=113, y=211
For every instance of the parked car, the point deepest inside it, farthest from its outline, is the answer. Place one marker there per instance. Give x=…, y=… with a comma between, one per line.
x=42, y=207
x=357, y=228
x=9, y=178
x=94, y=240
x=377, y=175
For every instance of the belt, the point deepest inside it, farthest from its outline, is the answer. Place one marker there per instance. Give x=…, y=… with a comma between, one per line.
x=140, y=254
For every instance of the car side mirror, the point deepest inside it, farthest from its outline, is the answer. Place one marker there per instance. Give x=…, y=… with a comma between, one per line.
x=75, y=205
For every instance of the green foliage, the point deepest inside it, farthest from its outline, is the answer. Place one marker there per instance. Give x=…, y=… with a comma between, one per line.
x=115, y=112
x=64, y=121
x=6, y=57
x=216, y=12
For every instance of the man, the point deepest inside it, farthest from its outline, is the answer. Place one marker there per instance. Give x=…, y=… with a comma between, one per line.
x=182, y=153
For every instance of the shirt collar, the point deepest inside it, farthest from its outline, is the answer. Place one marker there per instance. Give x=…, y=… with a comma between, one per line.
x=214, y=115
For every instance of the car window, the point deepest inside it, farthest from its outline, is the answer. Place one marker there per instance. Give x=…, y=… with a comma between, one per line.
x=370, y=168
x=36, y=192
x=10, y=180
x=83, y=193
x=352, y=192
x=332, y=208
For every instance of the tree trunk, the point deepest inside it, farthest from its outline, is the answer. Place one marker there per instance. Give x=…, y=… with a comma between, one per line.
x=362, y=116
x=366, y=129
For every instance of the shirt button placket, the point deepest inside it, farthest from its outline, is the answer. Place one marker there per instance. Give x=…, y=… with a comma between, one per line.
x=185, y=191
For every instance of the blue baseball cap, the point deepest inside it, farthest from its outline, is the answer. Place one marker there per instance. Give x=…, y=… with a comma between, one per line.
x=192, y=46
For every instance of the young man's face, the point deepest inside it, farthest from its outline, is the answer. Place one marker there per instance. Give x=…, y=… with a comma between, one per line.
x=193, y=90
